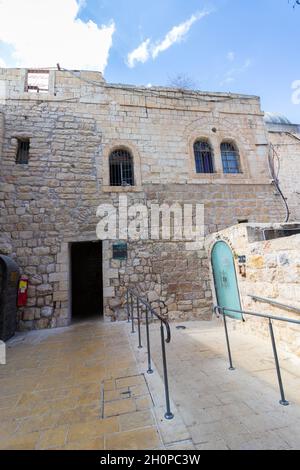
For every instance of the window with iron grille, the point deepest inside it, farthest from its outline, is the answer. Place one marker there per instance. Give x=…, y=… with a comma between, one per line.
x=230, y=158
x=121, y=168
x=203, y=157
x=23, y=151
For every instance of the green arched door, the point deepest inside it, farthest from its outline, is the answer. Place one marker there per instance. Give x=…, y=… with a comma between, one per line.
x=226, y=286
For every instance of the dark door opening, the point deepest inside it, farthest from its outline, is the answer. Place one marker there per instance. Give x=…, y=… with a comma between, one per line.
x=87, y=284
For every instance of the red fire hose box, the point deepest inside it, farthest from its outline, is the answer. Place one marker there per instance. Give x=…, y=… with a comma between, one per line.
x=22, y=291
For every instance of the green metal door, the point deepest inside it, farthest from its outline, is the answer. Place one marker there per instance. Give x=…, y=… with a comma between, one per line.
x=227, y=292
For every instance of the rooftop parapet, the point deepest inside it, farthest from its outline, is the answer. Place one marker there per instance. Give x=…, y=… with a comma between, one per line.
x=47, y=83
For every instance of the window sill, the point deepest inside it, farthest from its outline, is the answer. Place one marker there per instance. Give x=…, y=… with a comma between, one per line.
x=240, y=178
x=121, y=189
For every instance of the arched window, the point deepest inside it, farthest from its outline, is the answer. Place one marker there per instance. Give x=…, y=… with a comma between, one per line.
x=203, y=157
x=230, y=158
x=121, y=168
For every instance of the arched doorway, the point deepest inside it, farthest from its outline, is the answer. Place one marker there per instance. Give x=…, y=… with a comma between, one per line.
x=225, y=279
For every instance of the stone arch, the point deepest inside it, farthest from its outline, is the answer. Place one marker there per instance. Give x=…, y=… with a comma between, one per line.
x=133, y=150
x=216, y=130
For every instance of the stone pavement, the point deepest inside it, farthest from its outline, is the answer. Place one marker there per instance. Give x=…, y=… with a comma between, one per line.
x=75, y=388
x=84, y=387
x=225, y=409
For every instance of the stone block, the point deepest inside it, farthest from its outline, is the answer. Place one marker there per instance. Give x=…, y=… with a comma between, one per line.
x=44, y=289
x=47, y=312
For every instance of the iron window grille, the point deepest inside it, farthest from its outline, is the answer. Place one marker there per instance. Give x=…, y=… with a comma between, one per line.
x=23, y=151
x=203, y=157
x=121, y=168
x=230, y=158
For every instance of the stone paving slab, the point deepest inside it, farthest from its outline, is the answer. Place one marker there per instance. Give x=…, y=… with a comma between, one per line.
x=225, y=409
x=51, y=391
x=55, y=384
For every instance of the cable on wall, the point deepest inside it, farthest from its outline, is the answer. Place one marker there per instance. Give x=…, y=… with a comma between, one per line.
x=151, y=92
x=275, y=175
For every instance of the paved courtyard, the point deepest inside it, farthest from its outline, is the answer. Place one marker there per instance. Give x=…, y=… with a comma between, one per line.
x=225, y=409
x=84, y=387
x=75, y=388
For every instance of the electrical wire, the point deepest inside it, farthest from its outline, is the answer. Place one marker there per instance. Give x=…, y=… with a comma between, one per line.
x=147, y=92
x=272, y=155
x=153, y=92
x=293, y=135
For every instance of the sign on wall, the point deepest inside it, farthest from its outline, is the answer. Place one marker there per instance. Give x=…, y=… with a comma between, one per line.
x=120, y=251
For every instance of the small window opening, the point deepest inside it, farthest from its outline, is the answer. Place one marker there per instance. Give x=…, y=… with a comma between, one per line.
x=121, y=168
x=23, y=151
x=203, y=157
x=37, y=81
x=230, y=158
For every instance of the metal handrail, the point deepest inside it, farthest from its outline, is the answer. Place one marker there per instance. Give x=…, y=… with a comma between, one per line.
x=255, y=314
x=164, y=324
x=223, y=311
x=153, y=312
x=276, y=304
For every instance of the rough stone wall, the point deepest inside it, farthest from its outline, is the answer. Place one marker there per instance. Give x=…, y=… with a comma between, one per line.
x=2, y=128
x=5, y=237
x=174, y=280
x=287, y=147
x=52, y=201
x=272, y=272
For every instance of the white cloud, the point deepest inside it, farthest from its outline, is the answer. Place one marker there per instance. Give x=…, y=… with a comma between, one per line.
x=149, y=49
x=46, y=32
x=176, y=34
x=231, y=56
x=140, y=54
x=81, y=4
x=232, y=74
x=2, y=63
x=296, y=93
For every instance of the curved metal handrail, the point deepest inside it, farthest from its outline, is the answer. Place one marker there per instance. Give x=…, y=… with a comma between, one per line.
x=164, y=324
x=153, y=312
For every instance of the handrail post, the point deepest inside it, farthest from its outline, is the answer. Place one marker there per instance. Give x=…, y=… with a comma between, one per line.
x=127, y=304
x=150, y=370
x=283, y=401
x=132, y=318
x=227, y=340
x=168, y=414
x=139, y=322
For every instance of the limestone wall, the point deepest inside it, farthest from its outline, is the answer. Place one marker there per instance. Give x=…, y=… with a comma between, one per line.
x=2, y=130
x=52, y=201
x=287, y=147
x=173, y=279
x=272, y=272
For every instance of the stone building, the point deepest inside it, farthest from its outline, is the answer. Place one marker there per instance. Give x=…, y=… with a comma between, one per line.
x=69, y=142
x=267, y=266
x=285, y=154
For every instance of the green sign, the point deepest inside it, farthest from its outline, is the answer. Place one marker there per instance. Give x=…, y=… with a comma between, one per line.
x=120, y=251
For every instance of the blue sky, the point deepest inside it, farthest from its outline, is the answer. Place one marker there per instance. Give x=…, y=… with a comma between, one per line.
x=243, y=46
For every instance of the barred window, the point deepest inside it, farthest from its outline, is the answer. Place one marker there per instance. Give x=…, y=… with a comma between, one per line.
x=203, y=157
x=230, y=158
x=22, y=156
x=121, y=168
